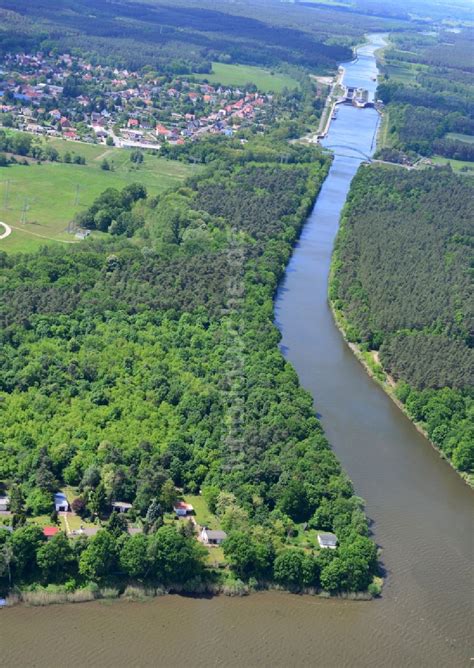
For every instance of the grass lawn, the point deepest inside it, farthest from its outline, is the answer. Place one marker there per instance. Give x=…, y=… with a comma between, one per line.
x=455, y=164
x=41, y=520
x=384, y=138
x=203, y=515
x=75, y=522
x=215, y=556
x=53, y=192
x=468, y=139
x=307, y=540
x=239, y=75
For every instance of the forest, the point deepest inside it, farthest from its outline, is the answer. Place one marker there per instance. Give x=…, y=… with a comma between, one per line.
x=428, y=92
x=171, y=38
x=402, y=286
x=143, y=366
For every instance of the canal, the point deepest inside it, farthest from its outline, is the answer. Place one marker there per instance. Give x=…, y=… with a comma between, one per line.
x=421, y=511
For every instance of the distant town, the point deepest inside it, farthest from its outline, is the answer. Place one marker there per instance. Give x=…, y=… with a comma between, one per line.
x=61, y=95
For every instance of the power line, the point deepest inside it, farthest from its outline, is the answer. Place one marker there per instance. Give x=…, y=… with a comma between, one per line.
x=24, y=210
x=76, y=197
x=6, y=194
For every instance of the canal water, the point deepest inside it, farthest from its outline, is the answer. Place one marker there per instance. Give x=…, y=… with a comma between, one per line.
x=420, y=509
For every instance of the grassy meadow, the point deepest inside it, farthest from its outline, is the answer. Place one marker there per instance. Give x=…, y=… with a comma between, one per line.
x=456, y=165
x=467, y=139
x=39, y=200
x=240, y=75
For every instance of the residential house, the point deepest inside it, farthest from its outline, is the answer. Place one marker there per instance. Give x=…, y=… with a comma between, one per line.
x=61, y=503
x=4, y=503
x=49, y=532
x=183, y=509
x=327, y=540
x=121, y=506
x=211, y=536
x=162, y=131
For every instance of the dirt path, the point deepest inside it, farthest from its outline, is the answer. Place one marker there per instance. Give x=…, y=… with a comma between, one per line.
x=7, y=230
x=35, y=234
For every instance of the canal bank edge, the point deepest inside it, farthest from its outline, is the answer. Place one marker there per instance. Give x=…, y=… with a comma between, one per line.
x=137, y=592
x=372, y=366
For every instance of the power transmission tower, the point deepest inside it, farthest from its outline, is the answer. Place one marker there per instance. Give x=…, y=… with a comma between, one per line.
x=6, y=194
x=24, y=210
x=76, y=197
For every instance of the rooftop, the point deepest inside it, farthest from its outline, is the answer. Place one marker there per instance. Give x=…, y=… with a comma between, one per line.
x=215, y=534
x=181, y=505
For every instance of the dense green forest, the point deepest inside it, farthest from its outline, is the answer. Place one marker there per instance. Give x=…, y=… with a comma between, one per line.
x=402, y=283
x=132, y=368
x=172, y=38
x=428, y=91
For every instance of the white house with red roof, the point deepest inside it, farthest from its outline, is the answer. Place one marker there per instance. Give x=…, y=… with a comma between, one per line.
x=183, y=509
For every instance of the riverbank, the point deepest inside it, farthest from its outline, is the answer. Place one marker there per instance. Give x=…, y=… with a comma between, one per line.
x=59, y=595
x=371, y=363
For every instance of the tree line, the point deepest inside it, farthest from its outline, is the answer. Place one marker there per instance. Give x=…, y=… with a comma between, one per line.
x=401, y=282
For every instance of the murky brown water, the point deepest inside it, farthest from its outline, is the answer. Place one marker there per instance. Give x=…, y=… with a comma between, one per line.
x=421, y=509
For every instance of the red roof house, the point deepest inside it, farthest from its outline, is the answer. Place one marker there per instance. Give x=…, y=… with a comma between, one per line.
x=161, y=130
x=182, y=509
x=49, y=532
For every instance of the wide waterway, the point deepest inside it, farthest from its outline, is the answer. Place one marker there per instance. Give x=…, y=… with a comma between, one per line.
x=421, y=512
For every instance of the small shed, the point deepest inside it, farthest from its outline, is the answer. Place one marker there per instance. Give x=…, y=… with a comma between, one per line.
x=182, y=509
x=212, y=537
x=121, y=506
x=327, y=540
x=61, y=503
x=49, y=532
x=4, y=503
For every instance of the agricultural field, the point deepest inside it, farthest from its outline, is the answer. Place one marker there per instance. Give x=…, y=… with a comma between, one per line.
x=456, y=165
x=240, y=75
x=402, y=72
x=467, y=139
x=38, y=201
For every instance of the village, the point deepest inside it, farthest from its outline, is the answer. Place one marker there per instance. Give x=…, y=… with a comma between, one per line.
x=191, y=513
x=67, y=96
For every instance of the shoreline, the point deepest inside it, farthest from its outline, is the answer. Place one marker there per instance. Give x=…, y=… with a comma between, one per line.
x=387, y=386
x=139, y=593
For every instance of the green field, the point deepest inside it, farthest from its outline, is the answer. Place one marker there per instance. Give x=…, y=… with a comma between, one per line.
x=203, y=515
x=240, y=75
x=467, y=139
x=455, y=164
x=38, y=201
x=402, y=72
